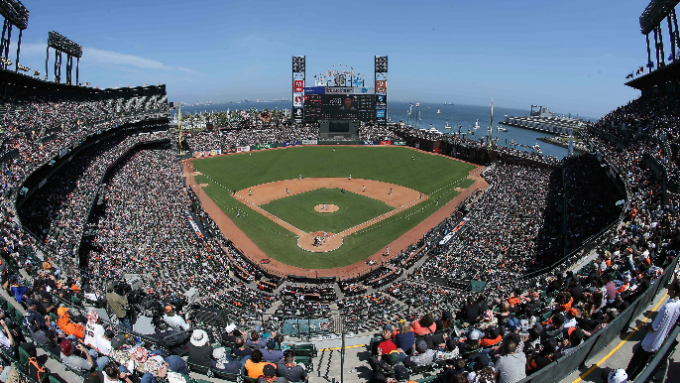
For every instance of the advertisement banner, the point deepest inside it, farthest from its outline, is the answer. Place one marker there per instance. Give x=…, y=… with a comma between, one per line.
x=265, y=146
x=292, y=143
x=385, y=143
x=216, y=152
x=298, y=114
x=446, y=239
x=297, y=100
x=363, y=90
x=399, y=143
x=242, y=149
x=339, y=89
x=298, y=86
x=315, y=90
x=380, y=100
x=308, y=142
x=194, y=226
x=380, y=86
x=380, y=114
x=231, y=150
x=198, y=154
x=368, y=142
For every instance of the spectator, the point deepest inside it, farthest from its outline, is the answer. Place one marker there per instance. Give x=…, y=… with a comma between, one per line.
x=200, y=351
x=291, y=370
x=657, y=331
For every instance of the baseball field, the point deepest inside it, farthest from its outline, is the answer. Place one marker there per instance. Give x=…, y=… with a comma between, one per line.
x=277, y=197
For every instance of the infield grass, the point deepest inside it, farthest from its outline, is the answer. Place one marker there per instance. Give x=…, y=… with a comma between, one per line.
x=432, y=175
x=298, y=210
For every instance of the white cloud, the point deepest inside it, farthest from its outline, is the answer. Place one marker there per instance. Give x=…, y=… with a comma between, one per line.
x=115, y=58
x=103, y=57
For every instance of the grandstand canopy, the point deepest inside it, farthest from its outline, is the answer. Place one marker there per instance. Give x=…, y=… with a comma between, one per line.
x=668, y=73
x=656, y=11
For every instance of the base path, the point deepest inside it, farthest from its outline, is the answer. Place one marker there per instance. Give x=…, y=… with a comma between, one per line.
x=399, y=197
x=255, y=254
x=391, y=194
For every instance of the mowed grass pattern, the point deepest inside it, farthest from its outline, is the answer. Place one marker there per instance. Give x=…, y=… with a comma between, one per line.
x=298, y=210
x=427, y=173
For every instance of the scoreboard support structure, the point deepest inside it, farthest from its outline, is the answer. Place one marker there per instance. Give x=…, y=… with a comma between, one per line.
x=299, y=74
x=380, y=73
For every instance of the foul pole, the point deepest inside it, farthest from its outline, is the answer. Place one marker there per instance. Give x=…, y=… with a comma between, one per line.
x=179, y=127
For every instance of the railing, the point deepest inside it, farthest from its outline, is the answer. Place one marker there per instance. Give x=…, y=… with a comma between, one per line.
x=557, y=370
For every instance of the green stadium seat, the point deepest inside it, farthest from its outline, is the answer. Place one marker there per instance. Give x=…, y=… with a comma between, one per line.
x=225, y=376
x=23, y=359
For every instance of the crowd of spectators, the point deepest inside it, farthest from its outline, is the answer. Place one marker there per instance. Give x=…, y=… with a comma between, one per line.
x=507, y=231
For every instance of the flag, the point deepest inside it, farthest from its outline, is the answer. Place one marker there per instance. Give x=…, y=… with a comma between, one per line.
x=417, y=104
x=642, y=69
x=630, y=75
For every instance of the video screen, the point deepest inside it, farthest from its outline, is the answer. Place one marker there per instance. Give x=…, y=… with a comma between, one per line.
x=340, y=107
x=338, y=127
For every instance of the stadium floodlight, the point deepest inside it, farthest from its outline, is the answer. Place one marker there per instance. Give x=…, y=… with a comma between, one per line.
x=654, y=13
x=380, y=64
x=298, y=64
x=15, y=12
x=62, y=44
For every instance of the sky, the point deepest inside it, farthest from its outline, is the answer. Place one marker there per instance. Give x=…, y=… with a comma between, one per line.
x=571, y=56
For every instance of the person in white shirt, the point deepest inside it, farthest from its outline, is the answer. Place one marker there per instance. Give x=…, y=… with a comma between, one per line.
x=104, y=342
x=173, y=320
x=657, y=332
x=93, y=330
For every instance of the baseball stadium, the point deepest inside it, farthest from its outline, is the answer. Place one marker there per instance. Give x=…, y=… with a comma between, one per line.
x=329, y=237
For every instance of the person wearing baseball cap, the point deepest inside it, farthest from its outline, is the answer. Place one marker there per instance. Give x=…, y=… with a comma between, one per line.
x=423, y=356
x=74, y=361
x=618, y=375
x=269, y=375
x=174, y=320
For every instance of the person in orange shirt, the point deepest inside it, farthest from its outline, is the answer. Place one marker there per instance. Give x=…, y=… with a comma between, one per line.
x=67, y=326
x=424, y=325
x=255, y=365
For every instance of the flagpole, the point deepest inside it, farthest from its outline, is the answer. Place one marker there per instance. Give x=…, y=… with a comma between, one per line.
x=179, y=127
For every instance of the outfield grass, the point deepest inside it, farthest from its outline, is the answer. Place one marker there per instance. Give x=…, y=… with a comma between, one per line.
x=298, y=210
x=429, y=174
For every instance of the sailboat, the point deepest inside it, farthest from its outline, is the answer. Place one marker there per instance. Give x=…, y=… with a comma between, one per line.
x=439, y=111
x=447, y=127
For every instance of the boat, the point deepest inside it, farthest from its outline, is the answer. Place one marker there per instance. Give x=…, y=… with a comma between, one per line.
x=501, y=129
x=476, y=124
x=447, y=127
x=439, y=111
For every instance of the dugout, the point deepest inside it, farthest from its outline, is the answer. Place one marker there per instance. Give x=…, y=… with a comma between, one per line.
x=339, y=129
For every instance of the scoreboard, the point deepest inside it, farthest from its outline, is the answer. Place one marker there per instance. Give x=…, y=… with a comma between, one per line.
x=339, y=107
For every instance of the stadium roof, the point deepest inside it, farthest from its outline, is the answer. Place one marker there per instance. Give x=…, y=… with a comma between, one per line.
x=655, y=12
x=671, y=72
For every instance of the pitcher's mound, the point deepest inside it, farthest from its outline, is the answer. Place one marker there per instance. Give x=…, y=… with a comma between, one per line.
x=310, y=243
x=330, y=208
